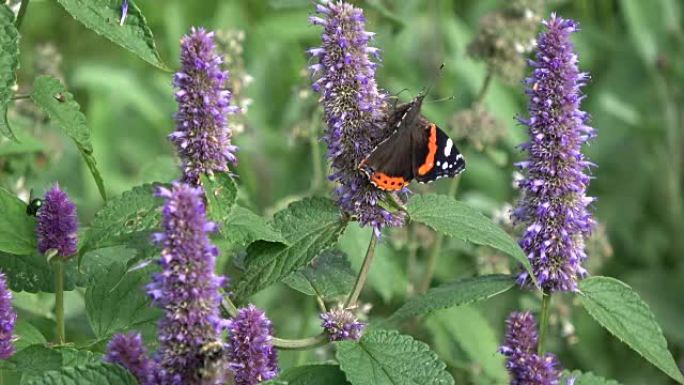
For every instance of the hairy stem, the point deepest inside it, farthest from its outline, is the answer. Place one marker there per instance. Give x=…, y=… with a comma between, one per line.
x=22, y=12
x=300, y=344
x=59, y=301
x=546, y=310
x=363, y=273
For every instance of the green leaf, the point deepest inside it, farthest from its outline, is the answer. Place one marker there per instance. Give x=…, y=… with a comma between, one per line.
x=456, y=219
x=17, y=229
x=323, y=374
x=243, y=227
x=384, y=357
x=91, y=374
x=327, y=276
x=27, y=335
x=474, y=335
x=116, y=300
x=309, y=226
x=37, y=359
x=52, y=97
x=221, y=192
x=103, y=17
x=586, y=379
x=461, y=292
x=134, y=213
x=9, y=63
x=618, y=308
x=33, y=274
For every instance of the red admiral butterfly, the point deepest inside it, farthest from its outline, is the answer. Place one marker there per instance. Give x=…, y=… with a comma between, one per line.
x=417, y=149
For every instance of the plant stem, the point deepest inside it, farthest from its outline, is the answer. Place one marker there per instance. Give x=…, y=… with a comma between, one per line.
x=483, y=90
x=314, y=142
x=363, y=273
x=59, y=301
x=22, y=12
x=300, y=344
x=229, y=307
x=546, y=310
x=18, y=97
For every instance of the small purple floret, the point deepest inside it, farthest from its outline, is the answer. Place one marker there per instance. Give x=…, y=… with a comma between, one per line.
x=57, y=224
x=186, y=288
x=202, y=136
x=553, y=208
x=124, y=12
x=251, y=354
x=341, y=324
x=354, y=108
x=128, y=351
x=8, y=317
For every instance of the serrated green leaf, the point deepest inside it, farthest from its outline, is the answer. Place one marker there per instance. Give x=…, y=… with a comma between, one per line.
x=327, y=276
x=384, y=357
x=52, y=97
x=243, y=227
x=474, y=335
x=586, y=379
x=37, y=359
x=221, y=192
x=92, y=374
x=620, y=310
x=116, y=300
x=27, y=335
x=309, y=226
x=103, y=17
x=323, y=374
x=9, y=63
x=461, y=292
x=17, y=229
x=33, y=274
x=456, y=219
x=134, y=213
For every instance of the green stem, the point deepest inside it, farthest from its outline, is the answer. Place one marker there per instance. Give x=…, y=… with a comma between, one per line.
x=18, y=97
x=300, y=344
x=317, y=182
x=59, y=301
x=483, y=90
x=22, y=12
x=546, y=310
x=363, y=273
x=229, y=307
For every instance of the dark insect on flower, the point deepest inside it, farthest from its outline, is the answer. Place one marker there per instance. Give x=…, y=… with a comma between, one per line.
x=215, y=369
x=33, y=207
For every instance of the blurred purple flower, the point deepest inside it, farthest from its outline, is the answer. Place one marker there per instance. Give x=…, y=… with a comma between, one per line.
x=354, y=108
x=341, y=324
x=186, y=288
x=7, y=319
x=251, y=354
x=202, y=136
x=124, y=11
x=57, y=224
x=553, y=206
x=525, y=366
x=128, y=351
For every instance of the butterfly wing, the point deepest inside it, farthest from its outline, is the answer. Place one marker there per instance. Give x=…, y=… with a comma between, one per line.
x=440, y=157
x=389, y=166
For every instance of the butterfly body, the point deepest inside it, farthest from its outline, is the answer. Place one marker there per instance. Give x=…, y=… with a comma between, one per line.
x=417, y=149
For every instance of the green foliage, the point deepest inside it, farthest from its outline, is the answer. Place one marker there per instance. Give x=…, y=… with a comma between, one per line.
x=27, y=335
x=32, y=273
x=309, y=226
x=9, y=62
x=52, y=97
x=586, y=379
x=17, y=229
x=37, y=360
x=100, y=374
x=388, y=358
x=327, y=276
x=314, y=375
x=102, y=16
x=221, y=193
x=456, y=219
x=243, y=227
x=461, y=292
x=619, y=309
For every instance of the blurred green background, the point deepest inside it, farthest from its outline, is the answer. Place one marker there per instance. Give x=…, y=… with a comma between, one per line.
x=634, y=50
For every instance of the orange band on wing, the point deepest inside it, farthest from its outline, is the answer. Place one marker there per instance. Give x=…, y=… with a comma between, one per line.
x=429, y=162
x=385, y=182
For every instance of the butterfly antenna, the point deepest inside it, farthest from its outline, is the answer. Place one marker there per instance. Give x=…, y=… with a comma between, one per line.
x=434, y=81
x=452, y=97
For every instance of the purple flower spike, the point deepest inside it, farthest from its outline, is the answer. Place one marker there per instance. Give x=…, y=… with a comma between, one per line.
x=7, y=319
x=354, y=108
x=186, y=288
x=553, y=207
x=340, y=324
x=252, y=356
x=520, y=349
x=57, y=224
x=128, y=351
x=202, y=136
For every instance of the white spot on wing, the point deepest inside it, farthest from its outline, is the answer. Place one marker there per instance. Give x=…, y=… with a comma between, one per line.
x=439, y=163
x=445, y=165
x=448, y=147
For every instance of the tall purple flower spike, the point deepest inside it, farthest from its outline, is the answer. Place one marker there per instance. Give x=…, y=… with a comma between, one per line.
x=202, y=136
x=8, y=317
x=128, y=351
x=186, y=288
x=553, y=206
x=57, y=224
x=253, y=359
x=525, y=366
x=354, y=108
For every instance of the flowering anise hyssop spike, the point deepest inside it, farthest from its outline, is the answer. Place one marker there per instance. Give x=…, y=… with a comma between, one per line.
x=57, y=224
x=341, y=324
x=127, y=350
x=251, y=354
x=7, y=319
